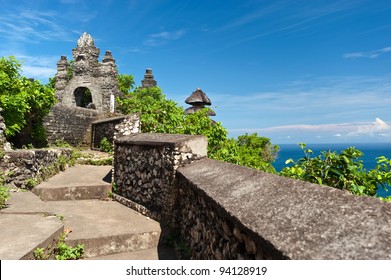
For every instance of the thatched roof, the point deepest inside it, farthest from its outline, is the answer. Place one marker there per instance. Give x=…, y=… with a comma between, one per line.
x=198, y=98
x=194, y=109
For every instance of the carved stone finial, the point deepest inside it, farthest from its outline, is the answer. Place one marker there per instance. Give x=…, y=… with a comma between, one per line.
x=149, y=80
x=108, y=58
x=85, y=40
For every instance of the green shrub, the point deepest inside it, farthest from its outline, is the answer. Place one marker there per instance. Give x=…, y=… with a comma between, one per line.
x=65, y=252
x=4, y=196
x=344, y=170
x=62, y=144
x=40, y=254
x=24, y=102
x=61, y=251
x=105, y=145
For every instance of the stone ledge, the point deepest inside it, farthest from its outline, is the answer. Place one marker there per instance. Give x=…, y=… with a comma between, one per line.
x=301, y=220
x=118, y=118
x=196, y=144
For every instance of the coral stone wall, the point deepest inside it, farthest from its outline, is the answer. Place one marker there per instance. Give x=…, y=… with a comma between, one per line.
x=72, y=125
x=226, y=211
x=235, y=212
x=2, y=132
x=145, y=166
x=113, y=128
x=20, y=166
x=213, y=233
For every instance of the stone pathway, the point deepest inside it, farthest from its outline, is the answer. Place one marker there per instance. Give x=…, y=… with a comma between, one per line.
x=77, y=200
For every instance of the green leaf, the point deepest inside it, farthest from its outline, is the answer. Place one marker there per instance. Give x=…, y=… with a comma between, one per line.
x=289, y=161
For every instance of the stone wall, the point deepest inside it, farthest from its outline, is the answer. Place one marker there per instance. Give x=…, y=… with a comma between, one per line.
x=232, y=212
x=22, y=166
x=72, y=125
x=2, y=132
x=225, y=211
x=113, y=128
x=145, y=167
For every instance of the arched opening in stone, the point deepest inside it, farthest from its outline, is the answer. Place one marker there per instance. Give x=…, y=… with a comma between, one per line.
x=83, y=98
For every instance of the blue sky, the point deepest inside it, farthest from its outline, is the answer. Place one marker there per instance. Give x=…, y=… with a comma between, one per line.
x=293, y=71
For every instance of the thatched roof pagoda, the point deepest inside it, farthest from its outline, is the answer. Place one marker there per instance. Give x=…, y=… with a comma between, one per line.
x=198, y=100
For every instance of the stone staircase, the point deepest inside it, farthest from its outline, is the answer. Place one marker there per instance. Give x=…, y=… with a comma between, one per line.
x=77, y=200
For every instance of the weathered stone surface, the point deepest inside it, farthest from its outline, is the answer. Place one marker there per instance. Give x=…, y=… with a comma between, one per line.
x=72, y=125
x=2, y=132
x=21, y=234
x=192, y=144
x=276, y=217
x=19, y=166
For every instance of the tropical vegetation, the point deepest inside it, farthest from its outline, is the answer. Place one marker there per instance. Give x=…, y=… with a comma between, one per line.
x=344, y=170
x=24, y=101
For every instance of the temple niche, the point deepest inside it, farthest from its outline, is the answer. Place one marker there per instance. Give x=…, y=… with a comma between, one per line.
x=90, y=84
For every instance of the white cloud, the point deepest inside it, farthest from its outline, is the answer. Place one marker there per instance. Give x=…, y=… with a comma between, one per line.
x=162, y=38
x=33, y=26
x=368, y=54
x=336, y=101
x=38, y=67
x=337, y=130
x=378, y=127
x=40, y=73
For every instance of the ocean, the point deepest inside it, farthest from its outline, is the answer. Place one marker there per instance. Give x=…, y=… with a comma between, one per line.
x=371, y=152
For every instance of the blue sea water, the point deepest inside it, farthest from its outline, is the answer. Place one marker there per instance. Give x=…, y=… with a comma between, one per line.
x=371, y=152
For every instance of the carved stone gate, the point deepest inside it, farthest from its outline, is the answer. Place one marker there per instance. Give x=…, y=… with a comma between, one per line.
x=85, y=82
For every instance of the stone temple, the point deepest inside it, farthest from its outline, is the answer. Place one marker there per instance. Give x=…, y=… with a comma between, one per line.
x=92, y=84
x=86, y=90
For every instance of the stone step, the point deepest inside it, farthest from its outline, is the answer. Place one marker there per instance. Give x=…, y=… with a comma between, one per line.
x=148, y=254
x=27, y=224
x=160, y=253
x=77, y=183
x=106, y=227
x=22, y=234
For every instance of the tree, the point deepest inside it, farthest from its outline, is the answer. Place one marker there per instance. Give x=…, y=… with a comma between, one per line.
x=125, y=83
x=256, y=151
x=24, y=101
